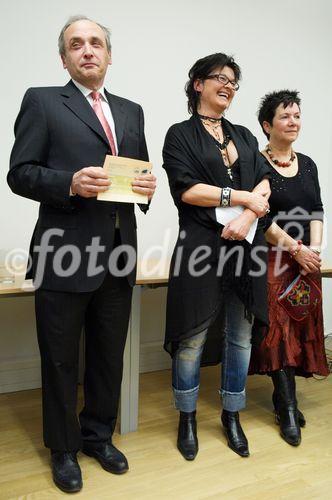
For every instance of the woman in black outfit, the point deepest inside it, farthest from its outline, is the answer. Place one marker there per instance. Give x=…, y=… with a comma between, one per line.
x=290, y=347
x=211, y=162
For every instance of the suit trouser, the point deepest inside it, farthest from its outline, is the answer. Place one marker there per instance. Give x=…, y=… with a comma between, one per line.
x=60, y=317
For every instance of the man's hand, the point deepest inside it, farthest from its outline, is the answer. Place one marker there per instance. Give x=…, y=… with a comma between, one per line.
x=90, y=181
x=145, y=184
x=238, y=228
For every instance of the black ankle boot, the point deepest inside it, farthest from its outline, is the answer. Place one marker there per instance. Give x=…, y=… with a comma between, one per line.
x=236, y=438
x=286, y=407
x=187, y=435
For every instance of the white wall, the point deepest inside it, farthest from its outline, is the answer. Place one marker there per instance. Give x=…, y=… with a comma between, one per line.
x=277, y=44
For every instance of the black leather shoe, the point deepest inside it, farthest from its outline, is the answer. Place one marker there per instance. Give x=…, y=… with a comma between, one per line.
x=109, y=457
x=285, y=399
x=66, y=471
x=187, y=435
x=236, y=438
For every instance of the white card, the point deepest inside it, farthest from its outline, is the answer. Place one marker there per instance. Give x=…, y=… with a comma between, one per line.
x=224, y=215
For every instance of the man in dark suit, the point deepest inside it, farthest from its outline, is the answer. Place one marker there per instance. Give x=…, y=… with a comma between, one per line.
x=62, y=135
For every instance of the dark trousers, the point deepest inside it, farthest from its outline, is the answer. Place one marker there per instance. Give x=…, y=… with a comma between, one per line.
x=60, y=317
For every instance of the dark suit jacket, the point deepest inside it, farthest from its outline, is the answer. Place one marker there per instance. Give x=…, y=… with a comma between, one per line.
x=56, y=134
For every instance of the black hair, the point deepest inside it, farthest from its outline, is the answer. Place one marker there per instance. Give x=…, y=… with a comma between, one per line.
x=271, y=101
x=201, y=69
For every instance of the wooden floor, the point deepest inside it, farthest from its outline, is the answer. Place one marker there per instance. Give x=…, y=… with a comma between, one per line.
x=274, y=470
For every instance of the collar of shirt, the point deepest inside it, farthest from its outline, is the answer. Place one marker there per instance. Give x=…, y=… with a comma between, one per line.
x=105, y=105
x=86, y=92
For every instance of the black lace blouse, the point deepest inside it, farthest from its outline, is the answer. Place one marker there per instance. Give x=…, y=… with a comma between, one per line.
x=296, y=200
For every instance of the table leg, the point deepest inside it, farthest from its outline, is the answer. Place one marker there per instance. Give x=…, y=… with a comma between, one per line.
x=130, y=379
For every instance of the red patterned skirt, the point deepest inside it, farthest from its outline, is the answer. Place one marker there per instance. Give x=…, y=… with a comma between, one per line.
x=286, y=342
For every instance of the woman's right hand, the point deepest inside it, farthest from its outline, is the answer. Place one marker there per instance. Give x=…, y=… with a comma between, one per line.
x=309, y=260
x=258, y=204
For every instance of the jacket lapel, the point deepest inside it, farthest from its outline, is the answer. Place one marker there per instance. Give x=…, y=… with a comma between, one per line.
x=77, y=103
x=119, y=116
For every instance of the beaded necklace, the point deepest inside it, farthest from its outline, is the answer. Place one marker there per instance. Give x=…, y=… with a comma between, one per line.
x=274, y=160
x=222, y=146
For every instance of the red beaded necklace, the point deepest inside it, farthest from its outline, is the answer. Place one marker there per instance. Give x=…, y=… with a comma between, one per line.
x=276, y=161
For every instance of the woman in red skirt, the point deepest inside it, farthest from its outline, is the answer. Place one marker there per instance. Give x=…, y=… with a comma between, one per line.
x=295, y=228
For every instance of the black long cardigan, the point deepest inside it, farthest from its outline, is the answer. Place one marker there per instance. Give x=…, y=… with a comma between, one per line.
x=194, y=303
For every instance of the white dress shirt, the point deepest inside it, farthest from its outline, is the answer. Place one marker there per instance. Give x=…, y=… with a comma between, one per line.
x=104, y=104
x=108, y=115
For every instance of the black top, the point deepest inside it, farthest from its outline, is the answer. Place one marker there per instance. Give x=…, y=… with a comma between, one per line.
x=191, y=157
x=235, y=183
x=296, y=200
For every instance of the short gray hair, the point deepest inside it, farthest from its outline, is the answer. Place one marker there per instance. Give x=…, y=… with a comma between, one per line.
x=72, y=20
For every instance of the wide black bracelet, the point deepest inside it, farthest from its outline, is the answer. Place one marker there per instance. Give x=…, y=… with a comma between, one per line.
x=225, y=199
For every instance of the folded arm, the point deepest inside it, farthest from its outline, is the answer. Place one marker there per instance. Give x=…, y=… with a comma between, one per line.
x=204, y=195
x=308, y=259
x=239, y=227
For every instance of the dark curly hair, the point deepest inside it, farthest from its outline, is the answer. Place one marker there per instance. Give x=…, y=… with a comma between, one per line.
x=201, y=69
x=271, y=101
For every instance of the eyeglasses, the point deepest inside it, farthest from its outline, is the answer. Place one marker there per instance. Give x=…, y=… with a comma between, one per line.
x=221, y=78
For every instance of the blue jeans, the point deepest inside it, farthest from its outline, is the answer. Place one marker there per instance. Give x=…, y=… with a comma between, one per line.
x=235, y=361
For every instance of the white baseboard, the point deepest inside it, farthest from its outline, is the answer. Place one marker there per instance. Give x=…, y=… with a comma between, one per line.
x=22, y=374
x=153, y=357
x=19, y=374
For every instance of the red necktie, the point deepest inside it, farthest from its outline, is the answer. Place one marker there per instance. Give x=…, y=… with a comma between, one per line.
x=97, y=107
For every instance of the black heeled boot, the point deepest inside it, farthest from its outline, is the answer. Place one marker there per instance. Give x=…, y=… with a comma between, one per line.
x=300, y=416
x=236, y=438
x=286, y=406
x=291, y=378
x=187, y=435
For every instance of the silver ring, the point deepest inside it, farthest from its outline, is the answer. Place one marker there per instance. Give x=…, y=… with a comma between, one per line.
x=267, y=210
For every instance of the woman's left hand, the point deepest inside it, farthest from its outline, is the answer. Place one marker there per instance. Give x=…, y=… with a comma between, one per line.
x=238, y=228
x=309, y=261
